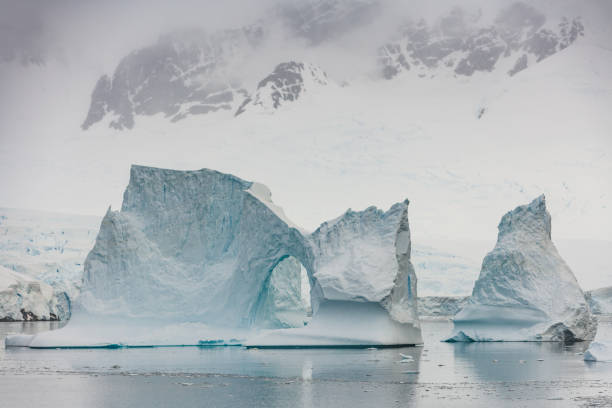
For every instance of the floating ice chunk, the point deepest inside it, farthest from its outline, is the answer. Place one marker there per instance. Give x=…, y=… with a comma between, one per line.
x=601, y=348
x=525, y=291
x=599, y=351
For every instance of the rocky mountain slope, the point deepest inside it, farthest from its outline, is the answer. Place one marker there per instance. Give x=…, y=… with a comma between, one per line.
x=196, y=72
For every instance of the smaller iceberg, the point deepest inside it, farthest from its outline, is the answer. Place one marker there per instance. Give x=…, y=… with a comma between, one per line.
x=599, y=351
x=600, y=300
x=363, y=286
x=525, y=291
x=601, y=348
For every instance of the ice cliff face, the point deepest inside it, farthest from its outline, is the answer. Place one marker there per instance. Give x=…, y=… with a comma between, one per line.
x=364, y=286
x=24, y=298
x=285, y=84
x=518, y=38
x=365, y=257
x=525, y=290
x=195, y=246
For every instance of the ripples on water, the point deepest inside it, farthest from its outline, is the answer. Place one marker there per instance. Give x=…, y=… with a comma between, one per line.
x=438, y=374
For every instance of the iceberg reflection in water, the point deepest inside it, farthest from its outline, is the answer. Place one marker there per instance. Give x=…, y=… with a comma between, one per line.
x=434, y=375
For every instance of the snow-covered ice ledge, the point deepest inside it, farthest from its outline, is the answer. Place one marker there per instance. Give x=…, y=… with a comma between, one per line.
x=525, y=291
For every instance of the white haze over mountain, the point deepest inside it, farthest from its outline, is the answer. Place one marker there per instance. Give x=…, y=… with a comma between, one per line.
x=360, y=141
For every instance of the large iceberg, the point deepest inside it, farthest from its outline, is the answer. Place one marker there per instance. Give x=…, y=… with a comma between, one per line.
x=206, y=258
x=188, y=248
x=25, y=298
x=364, y=285
x=525, y=291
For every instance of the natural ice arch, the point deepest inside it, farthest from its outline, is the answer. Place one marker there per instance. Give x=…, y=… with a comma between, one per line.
x=284, y=300
x=364, y=291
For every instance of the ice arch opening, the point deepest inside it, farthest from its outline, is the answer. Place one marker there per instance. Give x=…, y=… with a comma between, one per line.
x=284, y=299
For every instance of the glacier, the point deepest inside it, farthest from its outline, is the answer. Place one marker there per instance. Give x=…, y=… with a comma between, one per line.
x=47, y=247
x=25, y=298
x=525, y=291
x=364, y=286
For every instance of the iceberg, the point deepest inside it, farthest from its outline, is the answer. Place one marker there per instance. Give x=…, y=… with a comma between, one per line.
x=601, y=348
x=525, y=291
x=363, y=286
x=198, y=251
x=600, y=300
x=441, y=306
x=25, y=298
x=207, y=259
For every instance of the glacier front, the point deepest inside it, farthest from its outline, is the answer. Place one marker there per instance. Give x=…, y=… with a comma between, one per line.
x=25, y=298
x=525, y=291
x=364, y=286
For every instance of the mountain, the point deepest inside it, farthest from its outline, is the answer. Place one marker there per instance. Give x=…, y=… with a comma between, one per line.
x=285, y=84
x=196, y=72
x=182, y=74
x=459, y=44
x=464, y=148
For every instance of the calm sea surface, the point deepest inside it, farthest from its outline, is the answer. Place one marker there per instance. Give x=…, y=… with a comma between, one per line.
x=440, y=375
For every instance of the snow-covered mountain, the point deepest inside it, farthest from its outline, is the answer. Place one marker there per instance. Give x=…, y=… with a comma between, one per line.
x=184, y=73
x=463, y=148
x=285, y=84
x=195, y=72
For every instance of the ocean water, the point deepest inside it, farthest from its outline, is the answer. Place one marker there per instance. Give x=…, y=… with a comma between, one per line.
x=436, y=375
